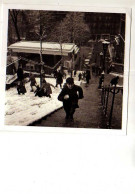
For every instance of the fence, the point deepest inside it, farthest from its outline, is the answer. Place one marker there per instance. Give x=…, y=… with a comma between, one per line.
x=108, y=97
x=28, y=66
x=31, y=65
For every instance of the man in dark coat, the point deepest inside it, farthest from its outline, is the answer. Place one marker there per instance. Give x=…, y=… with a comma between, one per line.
x=59, y=79
x=69, y=96
x=20, y=73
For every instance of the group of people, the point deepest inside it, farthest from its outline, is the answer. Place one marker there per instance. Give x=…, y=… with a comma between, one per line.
x=43, y=90
x=69, y=95
x=85, y=75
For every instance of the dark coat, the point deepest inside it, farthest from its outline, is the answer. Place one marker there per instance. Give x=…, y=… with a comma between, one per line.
x=21, y=88
x=47, y=88
x=79, y=76
x=20, y=73
x=59, y=78
x=74, y=94
x=88, y=76
x=114, y=81
x=39, y=92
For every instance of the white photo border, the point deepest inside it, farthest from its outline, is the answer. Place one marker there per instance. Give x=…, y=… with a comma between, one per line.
x=126, y=11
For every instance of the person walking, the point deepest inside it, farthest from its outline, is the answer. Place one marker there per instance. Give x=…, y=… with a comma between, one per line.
x=20, y=75
x=59, y=79
x=70, y=95
x=88, y=76
x=79, y=76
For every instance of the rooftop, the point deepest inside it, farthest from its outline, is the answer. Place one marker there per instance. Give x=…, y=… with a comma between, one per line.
x=47, y=47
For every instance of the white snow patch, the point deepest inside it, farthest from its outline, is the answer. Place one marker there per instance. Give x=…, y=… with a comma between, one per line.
x=25, y=109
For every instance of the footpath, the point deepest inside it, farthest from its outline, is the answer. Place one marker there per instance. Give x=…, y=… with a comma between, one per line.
x=88, y=115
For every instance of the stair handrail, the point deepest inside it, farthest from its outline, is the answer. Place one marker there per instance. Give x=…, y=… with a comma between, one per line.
x=104, y=99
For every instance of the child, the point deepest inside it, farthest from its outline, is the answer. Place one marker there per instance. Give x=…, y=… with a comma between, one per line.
x=21, y=88
x=33, y=82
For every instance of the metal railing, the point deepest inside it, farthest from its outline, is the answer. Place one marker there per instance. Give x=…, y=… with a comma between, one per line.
x=33, y=62
x=105, y=95
x=14, y=61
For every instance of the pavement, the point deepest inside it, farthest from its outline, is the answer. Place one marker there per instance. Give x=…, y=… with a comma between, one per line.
x=88, y=115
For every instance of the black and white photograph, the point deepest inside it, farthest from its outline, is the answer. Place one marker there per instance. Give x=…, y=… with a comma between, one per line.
x=65, y=69
x=67, y=97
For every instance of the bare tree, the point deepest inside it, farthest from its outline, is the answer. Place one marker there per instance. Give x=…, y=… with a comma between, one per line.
x=74, y=29
x=14, y=15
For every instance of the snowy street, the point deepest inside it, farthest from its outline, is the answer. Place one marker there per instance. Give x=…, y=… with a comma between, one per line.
x=25, y=109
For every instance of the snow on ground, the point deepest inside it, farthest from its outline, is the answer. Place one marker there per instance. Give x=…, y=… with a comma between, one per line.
x=25, y=109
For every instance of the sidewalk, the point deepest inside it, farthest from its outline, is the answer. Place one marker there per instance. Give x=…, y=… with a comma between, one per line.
x=89, y=115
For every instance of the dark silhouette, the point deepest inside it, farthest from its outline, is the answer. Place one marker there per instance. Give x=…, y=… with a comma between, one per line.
x=79, y=76
x=21, y=88
x=114, y=81
x=45, y=90
x=39, y=92
x=88, y=76
x=59, y=79
x=20, y=75
x=69, y=96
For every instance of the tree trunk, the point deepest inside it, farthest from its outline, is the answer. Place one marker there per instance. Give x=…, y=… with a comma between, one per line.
x=17, y=32
x=14, y=15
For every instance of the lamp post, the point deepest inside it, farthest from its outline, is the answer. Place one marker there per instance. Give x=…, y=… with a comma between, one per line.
x=105, y=46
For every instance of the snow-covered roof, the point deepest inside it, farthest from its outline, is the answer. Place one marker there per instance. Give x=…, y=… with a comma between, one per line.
x=50, y=48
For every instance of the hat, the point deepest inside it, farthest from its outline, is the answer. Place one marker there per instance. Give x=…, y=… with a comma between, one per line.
x=69, y=80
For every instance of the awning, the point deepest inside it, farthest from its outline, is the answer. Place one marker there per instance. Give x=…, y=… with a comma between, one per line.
x=48, y=48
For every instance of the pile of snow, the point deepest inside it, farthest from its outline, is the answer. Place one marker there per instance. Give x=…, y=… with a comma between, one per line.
x=25, y=109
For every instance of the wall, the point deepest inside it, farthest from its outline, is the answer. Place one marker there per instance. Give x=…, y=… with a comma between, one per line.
x=70, y=162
